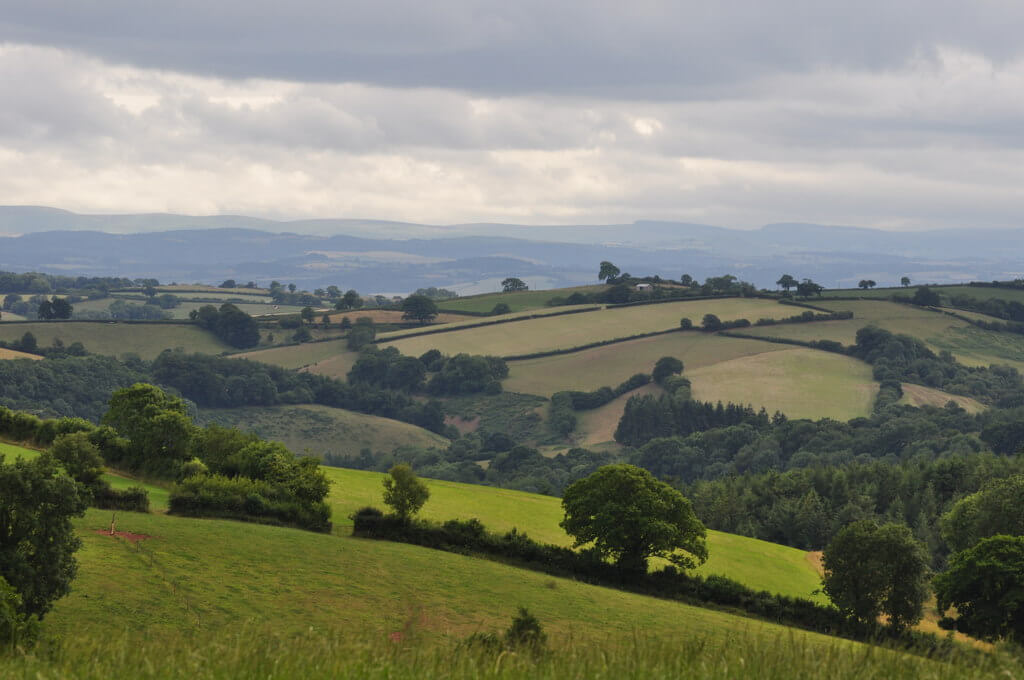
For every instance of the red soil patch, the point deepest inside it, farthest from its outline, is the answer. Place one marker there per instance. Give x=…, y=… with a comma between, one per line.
x=134, y=538
x=463, y=425
x=816, y=559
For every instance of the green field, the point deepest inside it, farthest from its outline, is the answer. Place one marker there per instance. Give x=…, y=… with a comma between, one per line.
x=537, y=335
x=453, y=322
x=322, y=430
x=146, y=340
x=12, y=451
x=802, y=383
x=611, y=364
x=298, y=356
x=919, y=395
x=517, y=302
x=597, y=426
x=976, y=292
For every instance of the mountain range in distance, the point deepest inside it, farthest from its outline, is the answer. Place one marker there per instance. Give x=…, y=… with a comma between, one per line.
x=398, y=257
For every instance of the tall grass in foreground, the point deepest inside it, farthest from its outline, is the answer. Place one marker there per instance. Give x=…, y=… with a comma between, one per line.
x=254, y=654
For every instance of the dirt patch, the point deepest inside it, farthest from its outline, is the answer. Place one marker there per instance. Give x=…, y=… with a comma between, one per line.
x=463, y=425
x=816, y=560
x=134, y=538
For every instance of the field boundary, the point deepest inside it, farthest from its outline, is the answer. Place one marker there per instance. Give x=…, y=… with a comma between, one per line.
x=823, y=345
x=445, y=328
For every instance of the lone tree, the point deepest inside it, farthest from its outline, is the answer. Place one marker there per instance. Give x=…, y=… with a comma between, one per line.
x=998, y=508
x=807, y=288
x=786, y=282
x=985, y=584
x=608, y=272
x=665, y=367
x=404, y=492
x=872, y=570
x=905, y=281
x=156, y=425
x=630, y=517
x=419, y=307
x=866, y=283
x=512, y=284
x=711, y=322
x=926, y=297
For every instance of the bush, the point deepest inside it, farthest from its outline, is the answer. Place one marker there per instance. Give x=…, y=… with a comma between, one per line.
x=16, y=629
x=247, y=499
x=132, y=499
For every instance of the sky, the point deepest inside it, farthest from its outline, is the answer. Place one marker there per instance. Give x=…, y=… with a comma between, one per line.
x=905, y=115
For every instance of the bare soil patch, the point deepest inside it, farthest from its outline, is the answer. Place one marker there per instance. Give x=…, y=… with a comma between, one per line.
x=134, y=538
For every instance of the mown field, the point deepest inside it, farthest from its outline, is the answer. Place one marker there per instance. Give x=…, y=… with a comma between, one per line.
x=919, y=395
x=544, y=334
x=322, y=430
x=611, y=364
x=14, y=354
x=802, y=383
x=971, y=346
x=454, y=322
x=117, y=339
x=976, y=292
x=517, y=302
x=297, y=356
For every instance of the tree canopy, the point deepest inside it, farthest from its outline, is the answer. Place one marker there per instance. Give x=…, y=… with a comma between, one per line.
x=997, y=509
x=420, y=308
x=985, y=584
x=630, y=517
x=513, y=284
x=404, y=492
x=156, y=425
x=607, y=272
x=872, y=570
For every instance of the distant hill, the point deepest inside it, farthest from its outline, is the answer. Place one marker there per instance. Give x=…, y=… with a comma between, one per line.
x=396, y=257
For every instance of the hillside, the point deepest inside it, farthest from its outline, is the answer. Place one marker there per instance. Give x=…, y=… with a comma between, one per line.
x=117, y=339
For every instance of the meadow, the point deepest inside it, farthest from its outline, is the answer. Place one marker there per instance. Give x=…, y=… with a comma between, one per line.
x=802, y=383
x=145, y=340
x=322, y=430
x=517, y=302
x=590, y=369
x=14, y=354
x=919, y=395
x=564, y=332
x=298, y=356
x=976, y=292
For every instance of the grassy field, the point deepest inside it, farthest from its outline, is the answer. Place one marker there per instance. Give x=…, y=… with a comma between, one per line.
x=802, y=383
x=322, y=430
x=455, y=322
x=597, y=426
x=919, y=395
x=12, y=451
x=517, y=302
x=976, y=292
x=388, y=316
x=297, y=356
x=14, y=354
x=611, y=364
x=146, y=340
x=971, y=346
x=544, y=334
x=756, y=563
x=8, y=316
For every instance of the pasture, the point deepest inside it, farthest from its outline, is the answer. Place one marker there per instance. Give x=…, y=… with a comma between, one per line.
x=10, y=316
x=298, y=356
x=455, y=322
x=388, y=316
x=564, y=332
x=919, y=395
x=801, y=383
x=322, y=430
x=15, y=354
x=947, y=292
x=609, y=365
x=517, y=302
x=597, y=426
x=117, y=339
x=10, y=452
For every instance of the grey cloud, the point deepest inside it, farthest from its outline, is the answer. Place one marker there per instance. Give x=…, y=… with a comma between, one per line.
x=643, y=49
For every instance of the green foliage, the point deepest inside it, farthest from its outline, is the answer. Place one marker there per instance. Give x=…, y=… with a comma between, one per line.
x=156, y=425
x=361, y=334
x=80, y=458
x=926, y=297
x=526, y=633
x=630, y=517
x=607, y=272
x=404, y=492
x=998, y=508
x=229, y=323
x=419, y=308
x=37, y=542
x=665, y=367
x=16, y=629
x=986, y=585
x=500, y=308
x=711, y=322
x=872, y=570
x=246, y=499
x=513, y=285
x=468, y=374
x=648, y=417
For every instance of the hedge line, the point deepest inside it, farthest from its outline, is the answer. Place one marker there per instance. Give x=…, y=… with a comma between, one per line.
x=681, y=298
x=470, y=537
x=445, y=329
x=794, y=303
x=250, y=500
x=591, y=345
x=824, y=345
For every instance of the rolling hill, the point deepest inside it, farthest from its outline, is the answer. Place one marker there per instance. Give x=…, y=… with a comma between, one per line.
x=144, y=339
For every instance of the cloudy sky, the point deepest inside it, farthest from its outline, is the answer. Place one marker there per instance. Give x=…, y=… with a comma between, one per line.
x=900, y=115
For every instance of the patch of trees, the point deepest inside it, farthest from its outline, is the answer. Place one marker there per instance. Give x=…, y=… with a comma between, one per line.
x=54, y=308
x=561, y=414
x=435, y=293
x=513, y=285
x=648, y=417
x=902, y=358
x=229, y=323
x=289, y=295
x=419, y=308
x=37, y=283
x=806, y=317
x=460, y=374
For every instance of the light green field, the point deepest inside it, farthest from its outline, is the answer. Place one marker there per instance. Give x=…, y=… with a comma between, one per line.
x=919, y=395
x=298, y=356
x=146, y=340
x=609, y=365
x=517, y=302
x=12, y=451
x=758, y=564
x=802, y=383
x=537, y=335
x=322, y=430
x=452, y=321
x=947, y=292
x=971, y=346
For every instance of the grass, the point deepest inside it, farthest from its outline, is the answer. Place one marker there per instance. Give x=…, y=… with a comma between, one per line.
x=322, y=430
x=919, y=395
x=976, y=292
x=802, y=383
x=454, y=322
x=517, y=302
x=758, y=564
x=678, y=651
x=145, y=340
x=611, y=364
x=597, y=426
x=15, y=354
x=537, y=335
x=971, y=346
x=299, y=356
x=12, y=451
